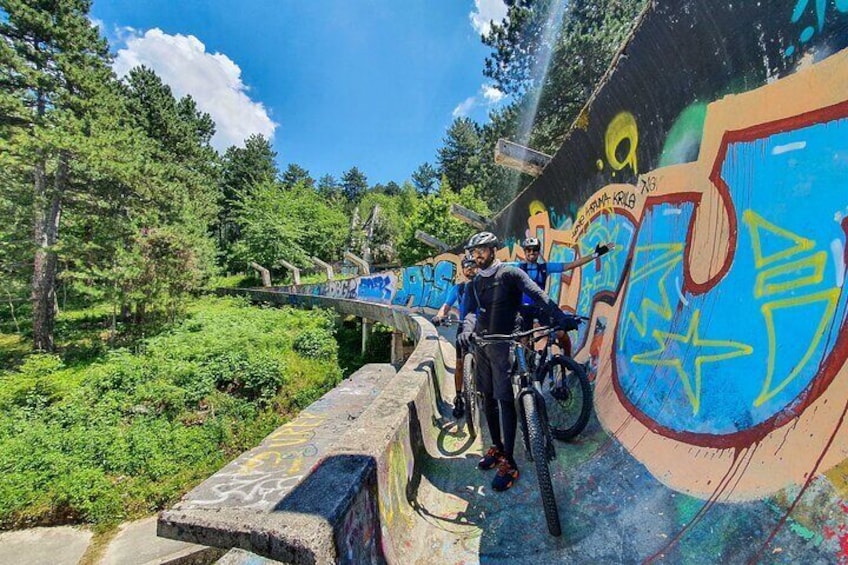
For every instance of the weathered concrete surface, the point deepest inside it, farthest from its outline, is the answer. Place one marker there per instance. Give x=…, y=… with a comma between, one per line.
x=44, y=546
x=436, y=507
x=137, y=544
x=247, y=503
x=242, y=557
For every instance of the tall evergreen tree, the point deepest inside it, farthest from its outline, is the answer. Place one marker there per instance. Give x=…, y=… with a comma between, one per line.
x=247, y=166
x=243, y=168
x=354, y=185
x=459, y=156
x=499, y=185
x=425, y=178
x=329, y=187
x=182, y=188
x=56, y=81
x=580, y=45
x=295, y=174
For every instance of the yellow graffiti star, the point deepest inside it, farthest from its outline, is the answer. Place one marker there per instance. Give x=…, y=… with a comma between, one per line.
x=704, y=350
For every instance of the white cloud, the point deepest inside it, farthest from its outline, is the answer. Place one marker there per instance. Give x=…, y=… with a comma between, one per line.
x=488, y=96
x=486, y=11
x=98, y=23
x=212, y=79
x=492, y=94
x=465, y=107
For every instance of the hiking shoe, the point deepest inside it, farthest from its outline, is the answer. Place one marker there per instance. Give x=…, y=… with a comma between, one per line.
x=491, y=459
x=458, y=406
x=507, y=475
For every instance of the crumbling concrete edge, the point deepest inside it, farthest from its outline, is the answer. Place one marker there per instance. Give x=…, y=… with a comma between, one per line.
x=346, y=527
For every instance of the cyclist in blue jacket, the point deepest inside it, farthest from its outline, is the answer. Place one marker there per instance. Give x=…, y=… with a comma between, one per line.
x=491, y=306
x=538, y=270
x=456, y=295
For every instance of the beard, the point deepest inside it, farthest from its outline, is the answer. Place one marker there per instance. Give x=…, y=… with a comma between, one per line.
x=485, y=262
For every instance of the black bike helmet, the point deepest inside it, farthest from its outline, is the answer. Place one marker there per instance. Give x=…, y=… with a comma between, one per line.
x=482, y=239
x=468, y=262
x=532, y=243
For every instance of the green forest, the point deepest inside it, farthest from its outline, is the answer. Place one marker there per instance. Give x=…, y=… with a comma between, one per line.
x=123, y=382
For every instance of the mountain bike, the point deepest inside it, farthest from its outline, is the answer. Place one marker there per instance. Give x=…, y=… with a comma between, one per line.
x=471, y=396
x=532, y=411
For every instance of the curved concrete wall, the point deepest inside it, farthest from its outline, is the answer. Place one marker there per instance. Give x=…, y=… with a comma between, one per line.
x=715, y=155
x=353, y=506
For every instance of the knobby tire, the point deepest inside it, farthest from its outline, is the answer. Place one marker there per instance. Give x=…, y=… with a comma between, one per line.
x=538, y=450
x=568, y=418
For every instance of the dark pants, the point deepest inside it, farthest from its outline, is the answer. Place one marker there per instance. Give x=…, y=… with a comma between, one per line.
x=492, y=369
x=492, y=365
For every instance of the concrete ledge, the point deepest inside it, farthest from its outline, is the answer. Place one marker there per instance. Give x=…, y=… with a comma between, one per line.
x=335, y=515
x=242, y=557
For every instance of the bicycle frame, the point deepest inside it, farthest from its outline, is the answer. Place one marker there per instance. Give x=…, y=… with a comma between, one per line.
x=525, y=382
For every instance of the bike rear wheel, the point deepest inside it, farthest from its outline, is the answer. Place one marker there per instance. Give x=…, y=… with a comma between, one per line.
x=472, y=399
x=568, y=397
x=539, y=453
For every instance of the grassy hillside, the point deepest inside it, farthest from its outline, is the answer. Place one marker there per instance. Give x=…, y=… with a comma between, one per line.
x=101, y=435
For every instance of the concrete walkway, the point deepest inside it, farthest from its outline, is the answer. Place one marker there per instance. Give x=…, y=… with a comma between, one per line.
x=44, y=546
x=135, y=544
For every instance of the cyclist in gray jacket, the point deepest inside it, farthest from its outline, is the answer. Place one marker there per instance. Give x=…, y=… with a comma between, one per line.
x=491, y=305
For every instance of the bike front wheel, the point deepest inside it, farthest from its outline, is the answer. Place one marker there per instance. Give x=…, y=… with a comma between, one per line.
x=539, y=453
x=472, y=400
x=568, y=397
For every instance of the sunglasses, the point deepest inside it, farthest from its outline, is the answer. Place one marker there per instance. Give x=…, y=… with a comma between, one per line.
x=531, y=250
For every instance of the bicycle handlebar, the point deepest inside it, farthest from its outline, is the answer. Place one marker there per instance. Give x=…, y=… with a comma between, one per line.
x=546, y=330
x=446, y=322
x=513, y=336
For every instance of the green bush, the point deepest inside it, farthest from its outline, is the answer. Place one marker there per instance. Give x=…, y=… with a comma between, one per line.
x=316, y=343
x=127, y=433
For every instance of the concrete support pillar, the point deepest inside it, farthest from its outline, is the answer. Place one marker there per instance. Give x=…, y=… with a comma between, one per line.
x=366, y=332
x=323, y=265
x=433, y=242
x=263, y=272
x=397, y=349
x=294, y=271
x=361, y=265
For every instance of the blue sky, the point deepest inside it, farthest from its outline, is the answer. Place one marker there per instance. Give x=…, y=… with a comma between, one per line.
x=334, y=83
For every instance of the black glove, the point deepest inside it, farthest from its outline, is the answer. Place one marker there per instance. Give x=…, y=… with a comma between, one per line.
x=465, y=339
x=601, y=249
x=565, y=321
x=437, y=320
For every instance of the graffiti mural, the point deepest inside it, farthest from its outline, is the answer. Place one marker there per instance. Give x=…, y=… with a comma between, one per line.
x=426, y=285
x=378, y=288
x=718, y=341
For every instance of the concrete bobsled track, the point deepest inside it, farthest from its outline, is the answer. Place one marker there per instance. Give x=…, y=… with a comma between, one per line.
x=715, y=155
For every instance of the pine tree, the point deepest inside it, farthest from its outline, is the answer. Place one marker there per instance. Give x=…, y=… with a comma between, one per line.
x=354, y=185
x=56, y=79
x=295, y=174
x=425, y=178
x=329, y=188
x=459, y=156
x=243, y=168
